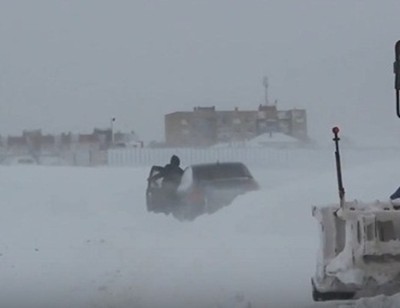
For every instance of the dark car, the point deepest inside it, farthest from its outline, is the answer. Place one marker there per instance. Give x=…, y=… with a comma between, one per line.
x=204, y=188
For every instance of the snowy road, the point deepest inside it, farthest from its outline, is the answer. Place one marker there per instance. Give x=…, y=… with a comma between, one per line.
x=82, y=237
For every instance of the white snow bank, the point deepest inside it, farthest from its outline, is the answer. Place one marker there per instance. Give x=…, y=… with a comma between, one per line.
x=273, y=137
x=273, y=140
x=379, y=302
x=81, y=237
x=263, y=140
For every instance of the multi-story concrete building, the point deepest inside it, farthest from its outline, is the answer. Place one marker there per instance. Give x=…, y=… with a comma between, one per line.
x=205, y=126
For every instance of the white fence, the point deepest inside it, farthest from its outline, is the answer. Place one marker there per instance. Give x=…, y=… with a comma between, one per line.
x=251, y=156
x=147, y=157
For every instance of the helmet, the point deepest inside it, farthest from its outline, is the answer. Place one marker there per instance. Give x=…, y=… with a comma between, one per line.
x=175, y=160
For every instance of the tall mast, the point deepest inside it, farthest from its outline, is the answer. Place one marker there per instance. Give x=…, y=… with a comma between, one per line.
x=265, y=83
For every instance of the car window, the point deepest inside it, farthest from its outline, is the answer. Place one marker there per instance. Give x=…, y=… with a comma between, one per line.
x=221, y=171
x=186, y=180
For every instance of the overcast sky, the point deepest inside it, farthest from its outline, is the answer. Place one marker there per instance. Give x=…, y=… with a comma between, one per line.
x=73, y=65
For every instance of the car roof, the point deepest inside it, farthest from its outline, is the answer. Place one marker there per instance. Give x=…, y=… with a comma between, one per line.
x=218, y=164
x=220, y=170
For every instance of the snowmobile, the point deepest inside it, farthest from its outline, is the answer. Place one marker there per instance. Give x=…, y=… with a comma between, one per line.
x=359, y=253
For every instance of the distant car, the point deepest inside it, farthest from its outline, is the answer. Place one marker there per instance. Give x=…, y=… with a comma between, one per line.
x=204, y=188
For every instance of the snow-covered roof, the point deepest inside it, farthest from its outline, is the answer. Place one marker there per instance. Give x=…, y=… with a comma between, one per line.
x=235, y=144
x=262, y=140
x=274, y=137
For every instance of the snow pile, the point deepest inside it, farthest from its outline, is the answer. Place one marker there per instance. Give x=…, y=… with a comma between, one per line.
x=349, y=265
x=279, y=140
x=379, y=302
x=343, y=269
x=274, y=139
x=81, y=237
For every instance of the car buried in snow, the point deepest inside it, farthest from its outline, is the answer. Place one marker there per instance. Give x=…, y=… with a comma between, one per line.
x=204, y=188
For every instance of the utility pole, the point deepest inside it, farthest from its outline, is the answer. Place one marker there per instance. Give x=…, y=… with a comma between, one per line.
x=265, y=83
x=396, y=69
x=112, y=131
x=335, y=131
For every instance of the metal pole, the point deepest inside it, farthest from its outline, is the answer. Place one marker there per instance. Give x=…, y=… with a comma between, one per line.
x=112, y=131
x=335, y=131
x=396, y=70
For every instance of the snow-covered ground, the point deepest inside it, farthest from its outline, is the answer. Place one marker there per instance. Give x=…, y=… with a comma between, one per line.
x=81, y=237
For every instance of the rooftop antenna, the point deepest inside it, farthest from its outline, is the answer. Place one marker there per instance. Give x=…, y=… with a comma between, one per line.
x=265, y=83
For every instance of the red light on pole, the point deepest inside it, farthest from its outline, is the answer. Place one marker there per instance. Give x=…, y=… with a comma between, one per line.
x=335, y=130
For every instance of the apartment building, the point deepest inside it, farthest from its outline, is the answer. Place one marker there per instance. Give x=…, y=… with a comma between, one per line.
x=206, y=126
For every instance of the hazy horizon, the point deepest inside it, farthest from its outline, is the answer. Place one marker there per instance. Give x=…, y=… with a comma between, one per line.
x=73, y=65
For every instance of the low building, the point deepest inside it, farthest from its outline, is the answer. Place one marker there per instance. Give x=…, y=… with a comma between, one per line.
x=74, y=149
